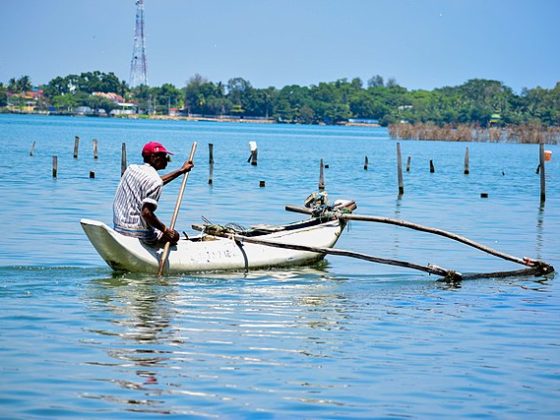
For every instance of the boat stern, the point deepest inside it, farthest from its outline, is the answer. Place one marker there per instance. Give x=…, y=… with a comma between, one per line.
x=121, y=253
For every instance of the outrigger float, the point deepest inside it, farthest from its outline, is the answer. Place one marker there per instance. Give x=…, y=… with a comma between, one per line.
x=231, y=248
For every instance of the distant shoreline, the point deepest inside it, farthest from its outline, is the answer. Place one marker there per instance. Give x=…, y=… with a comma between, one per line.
x=197, y=118
x=251, y=120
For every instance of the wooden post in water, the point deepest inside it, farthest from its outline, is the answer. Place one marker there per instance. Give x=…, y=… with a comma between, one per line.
x=253, y=157
x=321, y=177
x=432, y=168
x=76, y=146
x=95, y=156
x=408, y=164
x=211, y=163
x=541, y=166
x=466, y=171
x=123, y=158
x=365, y=163
x=399, y=169
x=55, y=166
x=32, y=150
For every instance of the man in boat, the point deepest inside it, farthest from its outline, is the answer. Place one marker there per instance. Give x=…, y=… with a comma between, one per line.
x=138, y=193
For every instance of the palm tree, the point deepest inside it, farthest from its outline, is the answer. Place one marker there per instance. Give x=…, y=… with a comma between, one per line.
x=24, y=84
x=12, y=85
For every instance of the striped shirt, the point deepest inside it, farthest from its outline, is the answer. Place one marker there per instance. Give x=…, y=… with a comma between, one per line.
x=140, y=184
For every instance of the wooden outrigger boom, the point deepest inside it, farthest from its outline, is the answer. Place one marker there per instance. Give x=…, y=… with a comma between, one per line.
x=430, y=268
x=535, y=267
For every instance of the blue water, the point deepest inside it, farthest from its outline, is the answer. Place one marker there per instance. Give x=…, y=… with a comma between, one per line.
x=345, y=338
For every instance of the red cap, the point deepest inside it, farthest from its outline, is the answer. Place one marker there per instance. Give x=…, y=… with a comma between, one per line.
x=154, y=147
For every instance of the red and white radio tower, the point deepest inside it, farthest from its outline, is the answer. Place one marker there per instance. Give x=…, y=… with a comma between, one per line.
x=138, y=64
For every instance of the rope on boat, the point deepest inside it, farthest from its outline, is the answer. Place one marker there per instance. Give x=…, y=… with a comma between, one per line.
x=223, y=230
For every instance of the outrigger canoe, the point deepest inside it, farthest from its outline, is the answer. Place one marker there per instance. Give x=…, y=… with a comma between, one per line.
x=210, y=251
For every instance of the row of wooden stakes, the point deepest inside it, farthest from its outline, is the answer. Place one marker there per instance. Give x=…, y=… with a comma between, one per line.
x=76, y=149
x=253, y=160
x=466, y=171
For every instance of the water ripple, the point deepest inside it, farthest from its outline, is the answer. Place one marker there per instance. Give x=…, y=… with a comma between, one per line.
x=342, y=339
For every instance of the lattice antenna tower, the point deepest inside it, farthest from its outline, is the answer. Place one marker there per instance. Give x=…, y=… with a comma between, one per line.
x=138, y=64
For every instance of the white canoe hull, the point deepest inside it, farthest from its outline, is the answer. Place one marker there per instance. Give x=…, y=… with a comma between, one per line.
x=208, y=253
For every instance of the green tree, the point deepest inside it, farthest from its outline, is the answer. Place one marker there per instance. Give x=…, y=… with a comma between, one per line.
x=306, y=115
x=24, y=84
x=365, y=105
x=97, y=81
x=3, y=95
x=65, y=102
x=542, y=105
x=98, y=102
x=143, y=96
x=167, y=96
x=12, y=85
x=241, y=95
x=21, y=85
x=391, y=82
x=204, y=97
x=375, y=81
x=481, y=98
x=88, y=82
x=258, y=102
x=289, y=101
x=56, y=87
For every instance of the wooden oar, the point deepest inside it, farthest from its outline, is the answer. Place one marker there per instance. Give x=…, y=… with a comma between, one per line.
x=167, y=246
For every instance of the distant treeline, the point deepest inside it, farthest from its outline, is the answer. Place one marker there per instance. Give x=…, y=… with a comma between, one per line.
x=477, y=102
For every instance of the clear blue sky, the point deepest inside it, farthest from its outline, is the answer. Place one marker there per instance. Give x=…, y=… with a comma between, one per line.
x=422, y=44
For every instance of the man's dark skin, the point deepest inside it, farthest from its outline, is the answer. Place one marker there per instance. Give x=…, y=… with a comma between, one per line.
x=159, y=161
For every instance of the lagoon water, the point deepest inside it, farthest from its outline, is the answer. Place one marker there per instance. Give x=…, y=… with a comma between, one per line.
x=342, y=339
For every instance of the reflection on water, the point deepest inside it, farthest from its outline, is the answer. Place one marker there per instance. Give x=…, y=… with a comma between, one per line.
x=540, y=227
x=143, y=304
x=139, y=313
x=397, y=215
x=168, y=335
